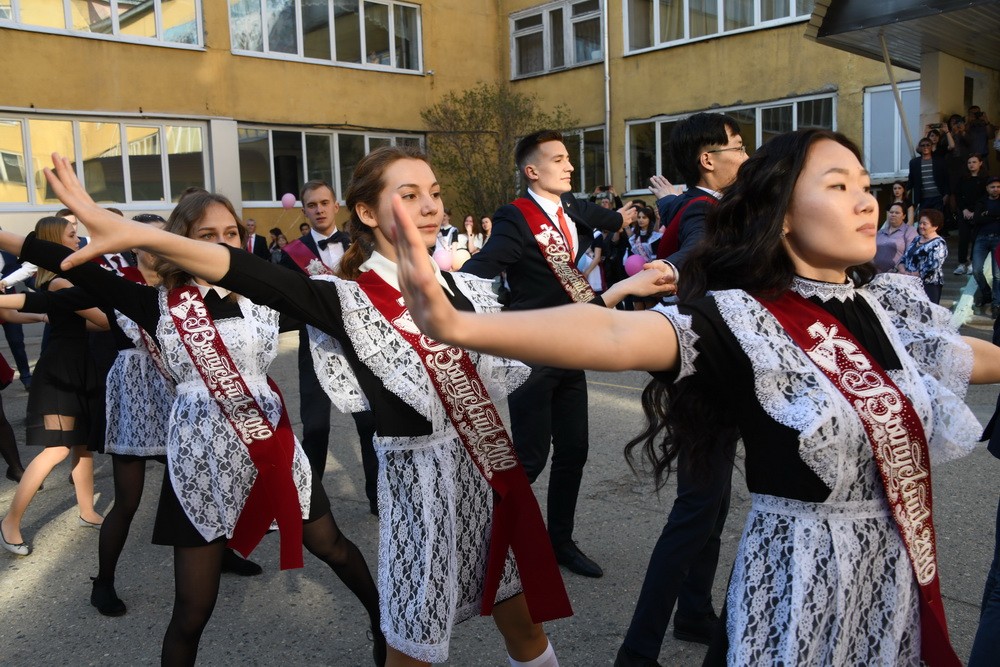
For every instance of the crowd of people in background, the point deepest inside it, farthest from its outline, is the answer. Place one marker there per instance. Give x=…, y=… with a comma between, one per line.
x=687, y=252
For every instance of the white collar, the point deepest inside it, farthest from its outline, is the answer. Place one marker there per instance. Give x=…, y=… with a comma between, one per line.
x=205, y=289
x=317, y=237
x=387, y=270
x=550, y=207
x=714, y=193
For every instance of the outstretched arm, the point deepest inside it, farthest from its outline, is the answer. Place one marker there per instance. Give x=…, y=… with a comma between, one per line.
x=985, y=361
x=575, y=336
x=113, y=233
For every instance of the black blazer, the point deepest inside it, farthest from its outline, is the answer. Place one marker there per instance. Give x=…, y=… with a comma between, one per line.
x=260, y=247
x=310, y=243
x=512, y=248
x=915, y=183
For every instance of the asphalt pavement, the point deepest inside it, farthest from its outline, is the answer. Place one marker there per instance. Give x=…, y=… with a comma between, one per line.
x=307, y=617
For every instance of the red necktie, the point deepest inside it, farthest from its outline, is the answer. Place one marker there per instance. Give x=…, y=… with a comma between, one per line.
x=250, y=244
x=564, y=228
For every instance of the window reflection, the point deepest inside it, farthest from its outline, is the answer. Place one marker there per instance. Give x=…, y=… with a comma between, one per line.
x=245, y=25
x=48, y=137
x=145, y=165
x=13, y=178
x=185, y=159
x=318, y=157
x=255, y=167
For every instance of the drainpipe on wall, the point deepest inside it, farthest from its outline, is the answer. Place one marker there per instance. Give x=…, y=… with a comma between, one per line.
x=607, y=93
x=895, y=92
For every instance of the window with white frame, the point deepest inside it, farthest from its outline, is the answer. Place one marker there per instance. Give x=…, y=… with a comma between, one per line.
x=587, y=154
x=165, y=22
x=887, y=152
x=648, y=141
x=555, y=36
x=274, y=162
x=378, y=34
x=118, y=160
x=658, y=23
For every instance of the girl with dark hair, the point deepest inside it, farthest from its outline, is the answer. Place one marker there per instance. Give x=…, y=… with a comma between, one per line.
x=642, y=242
x=842, y=384
x=453, y=501
x=230, y=471
x=63, y=401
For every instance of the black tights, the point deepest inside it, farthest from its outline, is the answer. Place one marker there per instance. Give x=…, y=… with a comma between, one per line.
x=196, y=585
x=8, y=445
x=130, y=475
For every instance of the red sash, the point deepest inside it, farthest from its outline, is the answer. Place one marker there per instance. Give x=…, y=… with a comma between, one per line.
x=305, y=259
x=273, y=495
x=555, y=250
x=517, y=521
x=898, y=443
x=135, y=275
x=670, y=242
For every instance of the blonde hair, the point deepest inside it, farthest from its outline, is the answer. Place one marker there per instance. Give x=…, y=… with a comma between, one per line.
x=49, y=228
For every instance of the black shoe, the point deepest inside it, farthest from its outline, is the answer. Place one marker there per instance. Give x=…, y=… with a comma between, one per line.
x=569, y=556
x=15, y=475
x=379, y=650
x=232, y=562
x=700, y=629
x=628, y=658
x=373, y=508
x=103, y=597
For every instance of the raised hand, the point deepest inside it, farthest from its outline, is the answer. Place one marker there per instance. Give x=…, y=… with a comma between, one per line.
x=426, y=301
x=661, y=187
x=628, y=214
x=108, y=232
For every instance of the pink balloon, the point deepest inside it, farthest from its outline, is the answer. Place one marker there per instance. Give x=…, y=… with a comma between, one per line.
x=287, y=200
x=633, y=264
x=442, y=258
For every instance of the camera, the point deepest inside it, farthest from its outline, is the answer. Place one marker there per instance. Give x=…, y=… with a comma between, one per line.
x=935, y=126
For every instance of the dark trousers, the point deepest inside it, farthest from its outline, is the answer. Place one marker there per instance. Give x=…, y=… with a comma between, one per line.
x=682, y=566
x=933, y=292
x=986, y=647
x=550, y=410
x=15, y=339
x=314, y=410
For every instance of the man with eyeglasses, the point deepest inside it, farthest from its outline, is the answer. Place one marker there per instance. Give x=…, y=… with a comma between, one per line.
x=708, y=150
x=928, y=180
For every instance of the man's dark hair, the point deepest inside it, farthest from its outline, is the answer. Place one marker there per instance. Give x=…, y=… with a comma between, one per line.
x=527, y=145
x=691, y=136
x=315, y=184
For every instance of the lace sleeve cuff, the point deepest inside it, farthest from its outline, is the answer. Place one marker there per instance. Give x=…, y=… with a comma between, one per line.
x=686, y=339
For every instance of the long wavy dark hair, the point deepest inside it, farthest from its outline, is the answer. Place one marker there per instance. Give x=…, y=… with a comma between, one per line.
x=191, y=208
x=742, y=249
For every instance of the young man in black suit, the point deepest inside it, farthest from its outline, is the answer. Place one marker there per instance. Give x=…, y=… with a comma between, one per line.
x=550, y=409
x=707, y=149
x=256, y=243
x=320, y=250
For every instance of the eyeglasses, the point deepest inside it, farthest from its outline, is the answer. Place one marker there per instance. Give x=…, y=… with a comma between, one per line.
x=923, y=145
x=741, y=149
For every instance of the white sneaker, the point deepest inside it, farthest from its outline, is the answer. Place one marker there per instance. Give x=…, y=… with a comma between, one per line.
x=959, y=270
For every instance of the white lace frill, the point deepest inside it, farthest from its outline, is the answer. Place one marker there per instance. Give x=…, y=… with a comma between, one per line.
x=686, y=338
x=209, y=466
x=394, y=361
x=848, y=594
x=435, y=508
x=138, y=400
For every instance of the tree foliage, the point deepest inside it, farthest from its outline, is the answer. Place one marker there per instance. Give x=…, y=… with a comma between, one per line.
x=471, y=140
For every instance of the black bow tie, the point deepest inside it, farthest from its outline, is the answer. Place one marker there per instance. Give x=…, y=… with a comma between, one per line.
x=336, y=237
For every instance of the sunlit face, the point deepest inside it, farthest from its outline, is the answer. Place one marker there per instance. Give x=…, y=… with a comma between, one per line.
x=549, y=169
x=726, y=160
x=320, y=208
x=69, y=237
x=414, y=181
x=487, y=225
x=895, y=216
x=217, y=225
x=926, y=229
x=832, y=219
x=251, y=226
x=925, y=147
x=281, y=241
x=974, y=164
x=897, y=191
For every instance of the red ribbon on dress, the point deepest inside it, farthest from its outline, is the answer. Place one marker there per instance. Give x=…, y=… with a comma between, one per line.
x=305, y=259
x=555, y=249
x=517, y=521
x=135, y=275
x=898, y=443
x=273, y=495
